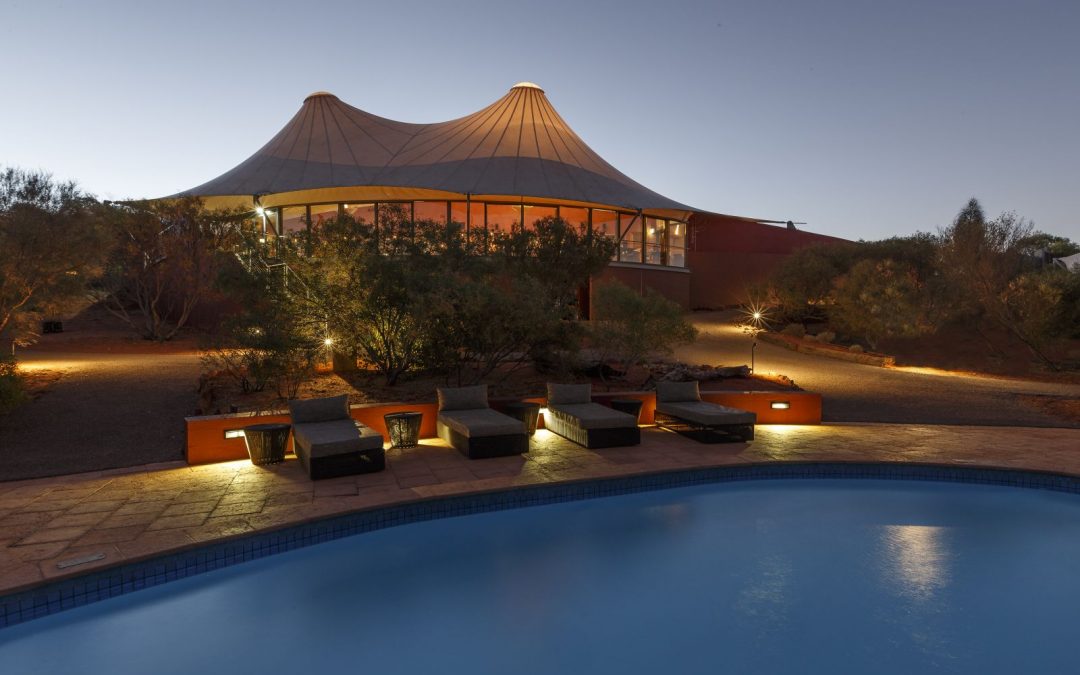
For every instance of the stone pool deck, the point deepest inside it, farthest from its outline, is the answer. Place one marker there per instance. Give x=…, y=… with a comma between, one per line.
x=126, y=515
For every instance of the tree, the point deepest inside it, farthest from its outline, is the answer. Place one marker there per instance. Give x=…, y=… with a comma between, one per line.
x=269, y=339
x=406, y=295
x=879, y=299
x=167, y=256
x=52, y=243
x=1057, y=247
x=630, y=327
x=984, y=262
x=803, y=283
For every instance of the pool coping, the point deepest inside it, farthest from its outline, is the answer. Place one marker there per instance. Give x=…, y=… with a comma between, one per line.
x=44, y=599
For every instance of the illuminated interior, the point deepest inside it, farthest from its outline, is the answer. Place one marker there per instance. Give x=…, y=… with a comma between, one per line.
x=642, y=240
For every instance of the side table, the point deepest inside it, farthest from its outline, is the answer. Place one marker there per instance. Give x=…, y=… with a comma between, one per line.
x=266, y=442
x=403, y=428
x=630, y=406
x=527, y=412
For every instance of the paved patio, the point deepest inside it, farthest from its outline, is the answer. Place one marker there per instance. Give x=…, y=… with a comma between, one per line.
x=130, y=514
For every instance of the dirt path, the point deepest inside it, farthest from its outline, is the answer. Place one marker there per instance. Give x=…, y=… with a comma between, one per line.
x=107, y=410
x=853, y=392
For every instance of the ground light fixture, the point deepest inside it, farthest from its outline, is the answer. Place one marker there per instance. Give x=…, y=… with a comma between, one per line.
x=780, y=405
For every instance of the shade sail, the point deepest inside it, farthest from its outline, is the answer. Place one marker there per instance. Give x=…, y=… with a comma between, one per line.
x=516, y=148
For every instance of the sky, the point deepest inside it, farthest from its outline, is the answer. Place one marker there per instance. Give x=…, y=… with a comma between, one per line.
x=864, y=119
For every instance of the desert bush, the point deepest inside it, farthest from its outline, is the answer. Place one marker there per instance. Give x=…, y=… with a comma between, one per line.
x=795, y=329
x=407, y=296
x=270, y=340
x=856, y=349
x=826, y=336
x=802, y=285
x=167, y=258
x=11, y=386
x=629, y=327
x=52, y=246
x=879, y=299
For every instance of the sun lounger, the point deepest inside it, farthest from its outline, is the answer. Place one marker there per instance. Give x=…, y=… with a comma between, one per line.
x=679, y=407
x=329, y=443
x=573, y=415
x=467, y=423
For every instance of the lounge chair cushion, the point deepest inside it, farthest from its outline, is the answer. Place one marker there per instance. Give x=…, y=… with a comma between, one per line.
x=479, y=423
x=592, y=416
x=677, y=391
x=319, y=409
x=706, y=414
x=335, y=437
x=568, y=393
x=463, y=398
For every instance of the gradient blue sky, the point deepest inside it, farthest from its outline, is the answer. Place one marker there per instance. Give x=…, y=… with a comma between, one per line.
x=865, y=119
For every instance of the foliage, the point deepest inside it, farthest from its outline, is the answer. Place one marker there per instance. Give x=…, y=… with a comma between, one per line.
x=796, y=329
x=802, y=285
x=167, y=257
x=977, y=272
x=52, y=245
x=1057, y=247
x=878, y=299
x=404, y=296
x=979, y=258
x=630, y=327
x=268, y=340
x=11, y=389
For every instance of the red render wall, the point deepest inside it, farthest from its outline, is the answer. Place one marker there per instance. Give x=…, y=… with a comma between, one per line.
x=672, y=284
x=727, y=254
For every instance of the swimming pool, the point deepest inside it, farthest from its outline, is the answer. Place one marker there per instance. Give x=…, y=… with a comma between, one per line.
x=794, y=576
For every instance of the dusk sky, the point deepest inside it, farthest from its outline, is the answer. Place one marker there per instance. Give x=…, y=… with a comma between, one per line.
x=865, y=119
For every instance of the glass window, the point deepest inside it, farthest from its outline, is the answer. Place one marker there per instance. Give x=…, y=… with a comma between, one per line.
x=502, y=217
x=293, y=219
x=606, y=224
x=477, y=230
x=630, y=245
x=535, y=213
x=320, y=213
x=654, y=235
x=459, y=213
x=361, y=213
x=676, y=233
x=434, y=211
x=576, y=216
x=271, y=222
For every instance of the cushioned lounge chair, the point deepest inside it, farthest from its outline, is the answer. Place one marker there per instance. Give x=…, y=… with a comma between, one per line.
x=467, y=423
x=573, y=415
x=679, y=407
x=329, y=443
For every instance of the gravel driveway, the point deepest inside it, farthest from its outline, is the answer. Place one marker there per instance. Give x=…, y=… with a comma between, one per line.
x=107, y=411
x=853, y=392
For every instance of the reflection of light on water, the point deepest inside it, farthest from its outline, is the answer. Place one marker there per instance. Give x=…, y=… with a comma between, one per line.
x=764, y=599
x=917, y=559
x=671, y=515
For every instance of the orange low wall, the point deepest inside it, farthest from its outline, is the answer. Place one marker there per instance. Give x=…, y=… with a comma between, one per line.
x=206, y=442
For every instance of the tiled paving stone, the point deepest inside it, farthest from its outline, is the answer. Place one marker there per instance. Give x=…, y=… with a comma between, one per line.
x=141, y=512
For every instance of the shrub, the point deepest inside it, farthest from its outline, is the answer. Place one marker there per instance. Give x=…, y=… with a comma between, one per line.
x=826, y=336
x=630, y=327
x=856, y=349
x=795, y=329
x=11, y=389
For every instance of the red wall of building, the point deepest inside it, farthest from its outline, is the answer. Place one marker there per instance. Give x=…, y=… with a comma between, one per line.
x=673, y=284
x=727, y=254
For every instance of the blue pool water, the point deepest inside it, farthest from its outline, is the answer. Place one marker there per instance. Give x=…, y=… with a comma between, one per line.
x=804, y=576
